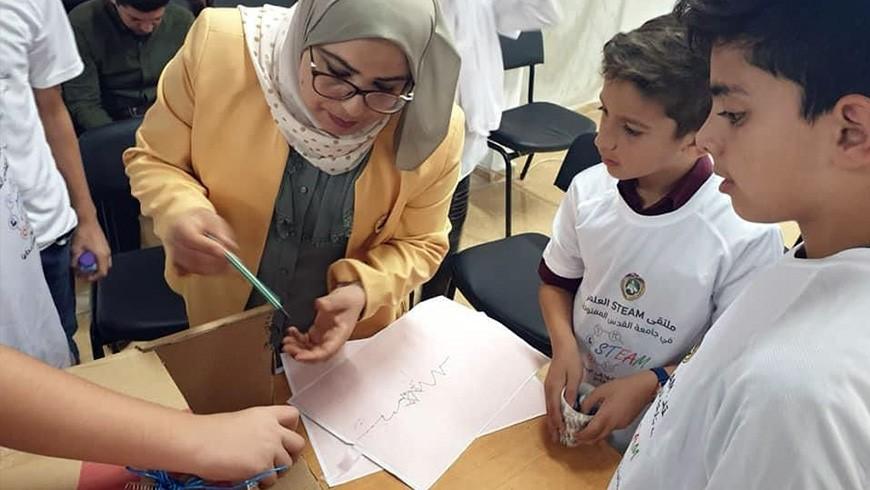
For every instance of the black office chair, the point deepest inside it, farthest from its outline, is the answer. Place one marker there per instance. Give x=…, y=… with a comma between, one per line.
x=536, y=126
x=500, y=278
x=133, y=302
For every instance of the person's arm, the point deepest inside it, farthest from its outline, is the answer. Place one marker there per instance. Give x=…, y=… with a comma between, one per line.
x=82, y=94
x=561, y=271
x=566, y=369
x=390, y=271
x=161, y=173
x=65, y=149
x=50, y=412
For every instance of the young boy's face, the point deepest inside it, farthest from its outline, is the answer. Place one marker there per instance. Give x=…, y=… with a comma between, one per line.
x=767, y=153
x=636, y=138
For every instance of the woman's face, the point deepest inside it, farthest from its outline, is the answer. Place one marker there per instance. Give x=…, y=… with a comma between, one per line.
x=370, y=64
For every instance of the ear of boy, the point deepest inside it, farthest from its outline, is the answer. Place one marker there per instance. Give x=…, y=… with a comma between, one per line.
x=852, y=116
x=691, y=148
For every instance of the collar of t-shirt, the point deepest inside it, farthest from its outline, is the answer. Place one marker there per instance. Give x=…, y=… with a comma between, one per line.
x=679, y=195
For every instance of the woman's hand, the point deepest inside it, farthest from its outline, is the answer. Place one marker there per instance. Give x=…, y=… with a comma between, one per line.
x=197, y=240
x=336, y=316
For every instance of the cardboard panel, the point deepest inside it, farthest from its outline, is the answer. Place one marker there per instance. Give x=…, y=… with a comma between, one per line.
x=221, y=366
x=135, y=374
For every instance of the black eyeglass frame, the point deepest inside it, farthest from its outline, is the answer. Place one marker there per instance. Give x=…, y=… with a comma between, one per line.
x=402, y=99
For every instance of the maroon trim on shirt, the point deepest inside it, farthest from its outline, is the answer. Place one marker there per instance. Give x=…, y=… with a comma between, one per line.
x=680, y=193
x=553, y=279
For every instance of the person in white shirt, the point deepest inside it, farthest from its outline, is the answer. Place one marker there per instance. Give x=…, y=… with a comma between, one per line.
x=778, y=394
x=29, y=321
x=645, y=252
x=39, y=53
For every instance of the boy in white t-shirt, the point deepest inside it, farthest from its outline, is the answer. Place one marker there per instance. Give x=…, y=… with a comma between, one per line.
x=659, y=250
x=778, y=394
x=37, y=54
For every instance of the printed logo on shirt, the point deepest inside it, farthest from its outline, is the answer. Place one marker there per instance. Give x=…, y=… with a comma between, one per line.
x=632, y=286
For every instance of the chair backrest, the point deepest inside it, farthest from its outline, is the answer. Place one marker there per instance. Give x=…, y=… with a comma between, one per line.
x=117, y=209
x=581, y=155
x=525, y=51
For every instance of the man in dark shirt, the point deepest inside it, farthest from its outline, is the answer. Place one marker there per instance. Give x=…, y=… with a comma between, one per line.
x=124, y=45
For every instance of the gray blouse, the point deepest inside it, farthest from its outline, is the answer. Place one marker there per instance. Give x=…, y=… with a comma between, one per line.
x=310, y=228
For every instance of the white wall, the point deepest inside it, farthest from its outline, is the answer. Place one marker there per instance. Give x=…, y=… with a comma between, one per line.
x=570, y=75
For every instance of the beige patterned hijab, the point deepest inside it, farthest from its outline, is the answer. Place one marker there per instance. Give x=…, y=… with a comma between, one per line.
x=277, y=37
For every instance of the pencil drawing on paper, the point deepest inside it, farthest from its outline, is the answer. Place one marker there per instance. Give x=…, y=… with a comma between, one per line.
x=408, y=397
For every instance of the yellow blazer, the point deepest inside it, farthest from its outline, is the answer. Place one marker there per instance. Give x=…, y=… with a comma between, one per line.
x=211, y=142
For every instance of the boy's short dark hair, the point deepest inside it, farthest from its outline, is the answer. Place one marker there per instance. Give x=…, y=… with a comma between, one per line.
x=657, y=58
x=144, y=5
x=821, y=45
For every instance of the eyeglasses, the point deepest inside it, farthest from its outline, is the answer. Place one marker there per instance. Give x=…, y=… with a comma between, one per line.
x=336, y=88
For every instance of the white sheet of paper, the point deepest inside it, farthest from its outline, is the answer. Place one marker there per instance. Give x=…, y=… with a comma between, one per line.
x=528, y=403
x=418, y=393
x=341, y=463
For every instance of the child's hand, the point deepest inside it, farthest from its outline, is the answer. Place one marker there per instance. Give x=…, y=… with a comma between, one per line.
x=236, y=446
x=566, y=371
x=337, y=314
x=619, y=402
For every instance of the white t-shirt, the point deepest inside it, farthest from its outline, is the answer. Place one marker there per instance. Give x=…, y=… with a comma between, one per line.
x=778, y=394
x=38, y=50
x=652, y=285
x=28, y=319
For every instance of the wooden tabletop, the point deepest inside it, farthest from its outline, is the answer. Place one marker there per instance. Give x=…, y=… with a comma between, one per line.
x=517, y=457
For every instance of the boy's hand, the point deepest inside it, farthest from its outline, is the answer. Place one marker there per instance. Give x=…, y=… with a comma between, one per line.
x=89, y=237
x=336, y=317
x=566, y=371
x=236, y=446
x=619, y=402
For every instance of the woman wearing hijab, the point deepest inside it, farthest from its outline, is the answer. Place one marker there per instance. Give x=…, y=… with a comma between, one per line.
x=321, y=144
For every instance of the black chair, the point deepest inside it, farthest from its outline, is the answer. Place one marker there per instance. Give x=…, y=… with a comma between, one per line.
x=500, y=278
x=536, y=126
x=133, y=302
